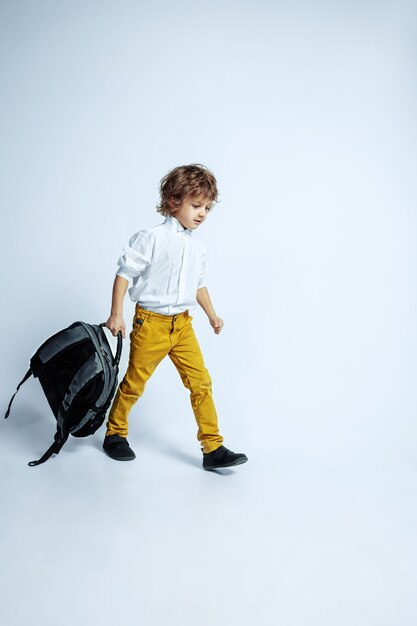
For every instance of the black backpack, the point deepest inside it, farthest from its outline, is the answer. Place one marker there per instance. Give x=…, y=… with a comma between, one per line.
x=78, y=373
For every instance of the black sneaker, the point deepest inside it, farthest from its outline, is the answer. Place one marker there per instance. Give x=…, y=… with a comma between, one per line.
x=118, y=448
x=222, y=457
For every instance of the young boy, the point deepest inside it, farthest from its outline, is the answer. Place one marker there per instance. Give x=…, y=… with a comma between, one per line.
x=168, y=266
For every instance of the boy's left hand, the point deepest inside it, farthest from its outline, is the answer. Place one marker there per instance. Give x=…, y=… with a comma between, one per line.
x=217, y=324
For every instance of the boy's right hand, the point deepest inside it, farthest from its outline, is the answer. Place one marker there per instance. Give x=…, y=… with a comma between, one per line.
x=116, y=323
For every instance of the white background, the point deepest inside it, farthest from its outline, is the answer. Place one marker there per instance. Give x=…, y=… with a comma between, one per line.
x=305, y=112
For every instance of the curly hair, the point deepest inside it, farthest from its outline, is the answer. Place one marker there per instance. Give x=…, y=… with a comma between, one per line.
x=186, y=181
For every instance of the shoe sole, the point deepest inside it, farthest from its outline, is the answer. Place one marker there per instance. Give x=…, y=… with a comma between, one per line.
x=232, y=464
x=120, y=458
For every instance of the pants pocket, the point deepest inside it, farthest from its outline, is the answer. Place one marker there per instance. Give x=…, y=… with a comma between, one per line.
x=138, y=323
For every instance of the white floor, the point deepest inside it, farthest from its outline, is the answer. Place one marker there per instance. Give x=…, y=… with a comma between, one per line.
x=87, y=540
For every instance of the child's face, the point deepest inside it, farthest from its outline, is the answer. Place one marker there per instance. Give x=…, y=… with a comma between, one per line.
x=192, y=211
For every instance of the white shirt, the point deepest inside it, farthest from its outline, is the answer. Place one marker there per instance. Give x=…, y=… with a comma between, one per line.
x=166, y=264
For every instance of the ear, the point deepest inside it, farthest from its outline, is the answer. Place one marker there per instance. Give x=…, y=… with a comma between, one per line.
x=172, y=204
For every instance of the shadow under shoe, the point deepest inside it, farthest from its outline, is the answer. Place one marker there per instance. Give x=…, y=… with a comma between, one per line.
x=222, y=457
x=118, y=448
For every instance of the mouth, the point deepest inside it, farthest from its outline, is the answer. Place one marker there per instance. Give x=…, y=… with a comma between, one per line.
x=198, y=221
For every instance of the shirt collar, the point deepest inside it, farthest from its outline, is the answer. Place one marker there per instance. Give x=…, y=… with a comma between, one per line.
x=176, y=226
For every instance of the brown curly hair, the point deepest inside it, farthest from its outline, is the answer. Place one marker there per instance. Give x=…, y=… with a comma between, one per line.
x=186, y=181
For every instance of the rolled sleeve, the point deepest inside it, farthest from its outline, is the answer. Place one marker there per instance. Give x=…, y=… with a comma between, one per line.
x=204, y=267
x=136, y=256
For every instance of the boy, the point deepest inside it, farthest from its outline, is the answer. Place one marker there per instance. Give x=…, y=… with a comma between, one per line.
x=167, y=266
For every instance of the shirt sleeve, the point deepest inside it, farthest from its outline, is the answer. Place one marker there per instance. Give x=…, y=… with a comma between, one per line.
x=204, y=267
x=136, y=256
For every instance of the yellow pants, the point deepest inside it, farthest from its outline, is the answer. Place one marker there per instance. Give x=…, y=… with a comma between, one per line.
x=152, y=338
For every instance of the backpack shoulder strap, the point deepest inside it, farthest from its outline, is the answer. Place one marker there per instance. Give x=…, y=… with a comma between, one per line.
x=88, y=370
x=26, y=376
x=59, y=441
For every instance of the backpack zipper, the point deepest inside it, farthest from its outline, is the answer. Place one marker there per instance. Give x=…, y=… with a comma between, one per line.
x=104, y=353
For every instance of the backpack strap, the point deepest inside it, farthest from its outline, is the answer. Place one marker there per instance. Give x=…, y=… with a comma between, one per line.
x=54, y=449
x=26, y=376
x=119, y=346
x=81, y=378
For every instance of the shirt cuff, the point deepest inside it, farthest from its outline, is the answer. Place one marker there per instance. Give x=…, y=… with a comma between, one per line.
x=124, y=275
